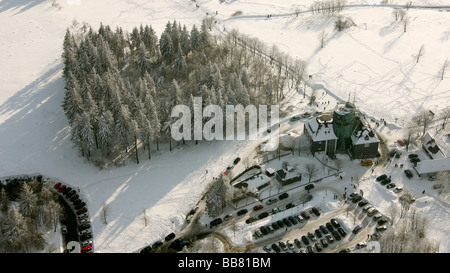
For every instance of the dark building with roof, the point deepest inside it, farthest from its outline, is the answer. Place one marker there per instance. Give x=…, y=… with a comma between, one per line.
x=342, y=131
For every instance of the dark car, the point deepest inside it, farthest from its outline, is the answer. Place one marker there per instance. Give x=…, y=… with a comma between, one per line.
x=275, y=225
x=335, y=223
x=66, y=190
x=287, y=222
x=292, y=219
x=324, y=242
x=215, y=222
x=264, y=230
x=280, y=223
x=329, y=226
x=305, y=240
x=414, y=159
x=71, y=193
x=316, y=211
x=80, y=205
x=283, y=196
x=146, y=249
x=318, y=233
x=356, y=229
x=242, y=212
x=73, y=198
x=382, y=221
x=390, y=185
x=290, y=205
x=81, y=211
x=336, y=235
x=386, y=181
x=305, y=215
x=83, y=227
x=297, y=243
x=157, y=244
x=236, y=161
x=357, y=198
x=250, y=220
x=342, y=232
x=276, y=248
x=363, y=203
x=381, y=177
x=169, y=237
x=86, y=236
x=263, y=215
x=312, y=236
x=309, y=187
x=413, y=155
x=409, y=174
x=76, y=202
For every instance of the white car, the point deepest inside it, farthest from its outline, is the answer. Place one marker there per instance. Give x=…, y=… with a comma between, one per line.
x=361, y=245
x=271, y=201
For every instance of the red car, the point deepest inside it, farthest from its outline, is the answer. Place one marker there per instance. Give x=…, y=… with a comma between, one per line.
x=61, y=188
x=86, y=249
x=401, y=142
x=57, y=185
x=257, y=207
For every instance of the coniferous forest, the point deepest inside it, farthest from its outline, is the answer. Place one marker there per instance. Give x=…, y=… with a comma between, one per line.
x=120, y=87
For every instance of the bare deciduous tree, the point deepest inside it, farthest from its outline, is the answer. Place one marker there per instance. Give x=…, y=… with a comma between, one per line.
x=311, y=170
x=420, y=53
x=423, y=119
x=323, y=35
x=444, y=68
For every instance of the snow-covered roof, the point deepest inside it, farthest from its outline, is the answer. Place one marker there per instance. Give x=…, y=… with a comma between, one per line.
x=429, y=144
x=319, y=131
x=363, y=136
x=433, y=165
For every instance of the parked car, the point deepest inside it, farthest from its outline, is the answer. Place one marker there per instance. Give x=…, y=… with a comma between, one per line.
x=329, y=238
x=381, y=177
x=329, y=226
x=382, y=221
x=263, y=215
x=316, y=211
x=236, y=161
x=215, y=222
x=73, y=198
x=264, y=230
x=323, y=229
x=57, y=185
x=297, y=243
x=409, y=174
x=280, y=223
x=290, y=245
x=335, y=223
x=157, y=244
x=257, y=207
x=398, y=189
x=86, y=249
x=318, y=247
x=390, y=185
x=290, y=205
x=283, y=246
x=356, y=199
x=380, y=228
x=377, y=216
x=169, y=237
x=287, y=222
x=305, y=215
x=292, y=219
x=271, y=201
x=242, y=212
x=342, y=232
x=385, y=181
x=83, y=227
x=312, y=236
x=361, y=245
x=283, y=196
x=66, y=190
x=356, y=229
x=324, y=242
x=80, y=205
x=413, y=155
x=295, y=118
x=86, y=236
x=371, y=212
x=60, y=189
x=275, y=226
x=318, y=233
x=228, y=217
x=71, y=193
x=82, y=210
x=146, y=249
x=336, y=235
x=276, y=248
x=414, y=159
x=267, y=248
x=363, y=203
x=401, y=142
x=305, y=240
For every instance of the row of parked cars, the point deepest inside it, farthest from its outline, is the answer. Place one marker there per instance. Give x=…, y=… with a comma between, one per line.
x=386, y=181
x=312, y=242
x=285, y=222
x=370, y=211
x=176, y=244
x=79, y=207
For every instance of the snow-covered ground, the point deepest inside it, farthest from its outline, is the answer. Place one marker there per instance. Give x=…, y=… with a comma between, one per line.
x=373, y=63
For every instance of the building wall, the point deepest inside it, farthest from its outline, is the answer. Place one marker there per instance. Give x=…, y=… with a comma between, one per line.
x=361, y=152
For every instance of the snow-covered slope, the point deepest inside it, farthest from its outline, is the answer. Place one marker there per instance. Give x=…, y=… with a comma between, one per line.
x=374, y=62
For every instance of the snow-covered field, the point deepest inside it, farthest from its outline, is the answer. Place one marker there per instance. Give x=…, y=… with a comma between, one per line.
x=373, y=63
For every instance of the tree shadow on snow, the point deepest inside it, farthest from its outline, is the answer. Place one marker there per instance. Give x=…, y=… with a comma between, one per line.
x=19, y=5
